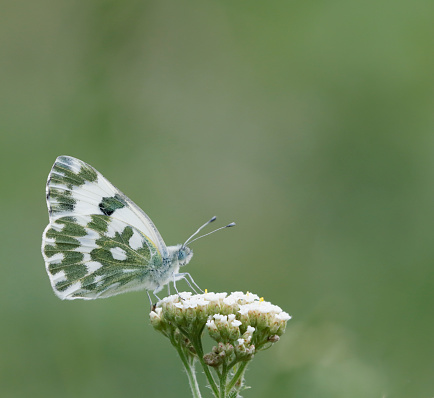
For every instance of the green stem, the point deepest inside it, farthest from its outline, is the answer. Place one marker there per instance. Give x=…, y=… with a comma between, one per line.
x=191, y=374
x=197, y=344
x=237, y=375
x=223, y=379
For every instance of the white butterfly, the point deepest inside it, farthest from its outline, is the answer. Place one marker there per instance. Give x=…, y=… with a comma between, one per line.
x=99, y=243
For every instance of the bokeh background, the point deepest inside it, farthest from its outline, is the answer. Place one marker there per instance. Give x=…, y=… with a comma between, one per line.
x=310, y=124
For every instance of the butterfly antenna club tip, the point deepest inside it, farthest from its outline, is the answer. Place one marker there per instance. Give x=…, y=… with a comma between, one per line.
x=199, y=229
x=232, y=224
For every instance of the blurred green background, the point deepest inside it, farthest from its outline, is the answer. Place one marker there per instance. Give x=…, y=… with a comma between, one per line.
x=310, y=124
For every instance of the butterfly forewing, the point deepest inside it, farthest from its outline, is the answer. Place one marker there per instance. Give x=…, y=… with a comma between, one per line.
x=76, y=188
x=98, y=242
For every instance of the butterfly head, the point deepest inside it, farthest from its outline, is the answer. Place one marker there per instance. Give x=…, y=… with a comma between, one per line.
x=184, y=255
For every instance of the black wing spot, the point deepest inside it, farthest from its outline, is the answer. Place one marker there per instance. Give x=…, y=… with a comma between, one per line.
x=110, y=204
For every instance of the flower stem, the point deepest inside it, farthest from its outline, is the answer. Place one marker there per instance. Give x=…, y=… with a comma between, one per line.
x=223, y=379
x=197, y=344
x=191, y=374
x=237, y=375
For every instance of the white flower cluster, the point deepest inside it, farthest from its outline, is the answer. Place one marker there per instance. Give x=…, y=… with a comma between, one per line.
x=227, y=317
x=247, y=302
x=240, y=323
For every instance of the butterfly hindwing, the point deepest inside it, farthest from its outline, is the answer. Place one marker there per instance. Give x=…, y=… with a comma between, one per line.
x=91, y=257
x=98, y=242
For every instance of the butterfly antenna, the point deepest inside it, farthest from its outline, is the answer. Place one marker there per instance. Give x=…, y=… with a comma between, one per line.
x=232, y=224
x=200, y=228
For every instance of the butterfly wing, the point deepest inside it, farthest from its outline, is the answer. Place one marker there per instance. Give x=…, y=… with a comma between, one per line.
x=98, y=242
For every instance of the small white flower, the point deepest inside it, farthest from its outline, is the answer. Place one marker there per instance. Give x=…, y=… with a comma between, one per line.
x=189, y=304
x=240, y=341
x=237, y=295
x=263, y=307
x=235, y=323
x=244, y=310
x=201, y=301
x=250, y=297
x=244, y=297
x=221, y=318
x=211, y=324
x=283, y=316
x=194, y=302
x=248, y=335
x=184, y=295
x=153, y=315
x=214, y=296
x=229, y=300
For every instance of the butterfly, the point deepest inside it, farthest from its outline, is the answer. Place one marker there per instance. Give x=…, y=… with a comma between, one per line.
x=99, y=243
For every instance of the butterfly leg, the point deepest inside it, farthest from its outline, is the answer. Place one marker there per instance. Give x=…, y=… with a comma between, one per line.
x=155, y=293
x=175, y=278
x=174, y=285
x=153, y=306
x=184, y=276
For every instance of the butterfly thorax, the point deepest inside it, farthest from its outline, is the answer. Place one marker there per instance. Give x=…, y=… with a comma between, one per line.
x=177, y=257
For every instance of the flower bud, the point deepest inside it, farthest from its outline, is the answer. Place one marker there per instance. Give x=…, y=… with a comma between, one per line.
x=212, y=359
x=229, y=349
x=250, y=352
x=213, y=330
x=274, y=339
x=240, y=347
x=156, y=320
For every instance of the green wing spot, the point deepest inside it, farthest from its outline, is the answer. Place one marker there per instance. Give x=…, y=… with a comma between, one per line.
x=139, y=258
x=71, y=227
x=69, y=258
x=65, y=175
x=126, y=234
x=65, y=238
x=99, y=223
x=88, y=282
x=65, y=202
x=109, y=205
x=117, y=278
x=64, y=243
x=88, y=174
x=72, y=274
x=102, y=255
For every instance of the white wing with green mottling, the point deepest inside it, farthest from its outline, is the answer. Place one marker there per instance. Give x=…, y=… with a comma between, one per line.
x=76, y=188
x=98, y=242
